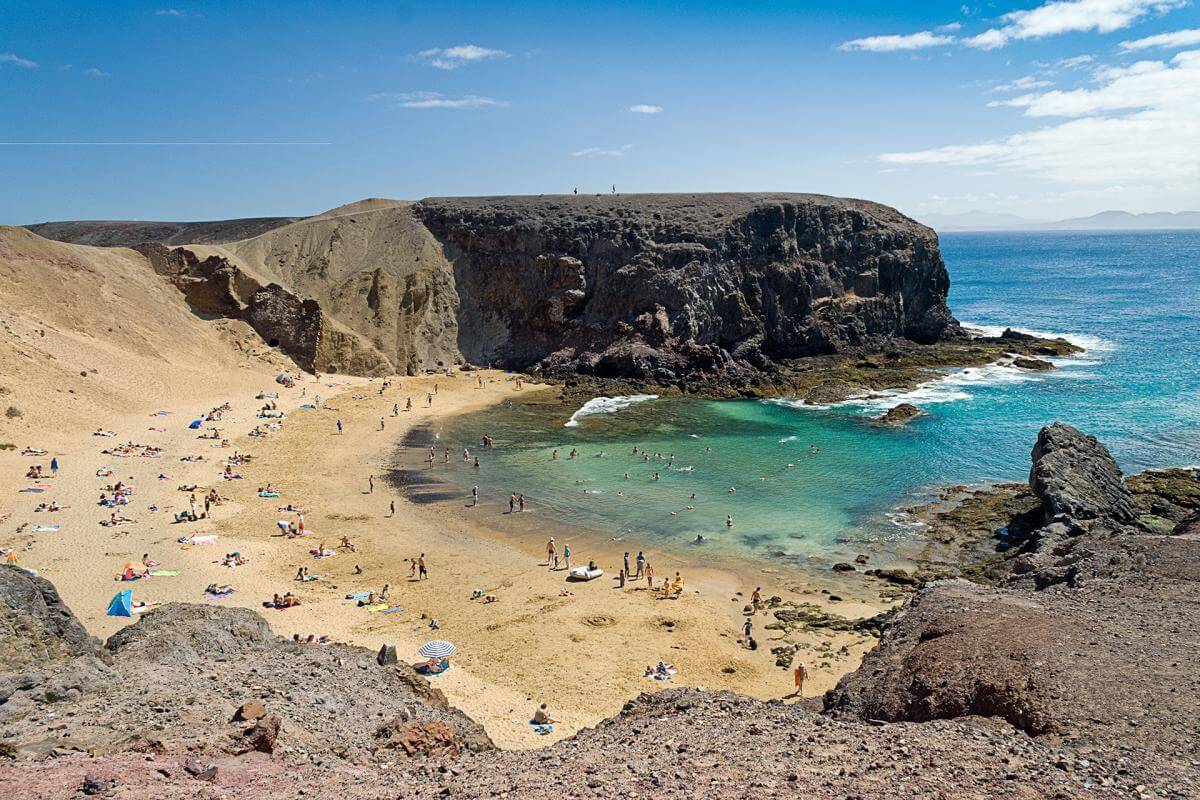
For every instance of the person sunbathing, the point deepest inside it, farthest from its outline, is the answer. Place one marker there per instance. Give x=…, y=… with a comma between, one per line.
x=541, y=716
x=149, y=562
x=348, y=545
x=219, y=590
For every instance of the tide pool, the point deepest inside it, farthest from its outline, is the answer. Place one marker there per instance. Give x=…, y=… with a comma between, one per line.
x=821, y=483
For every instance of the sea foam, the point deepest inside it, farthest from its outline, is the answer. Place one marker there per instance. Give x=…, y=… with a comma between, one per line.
x=606, y=405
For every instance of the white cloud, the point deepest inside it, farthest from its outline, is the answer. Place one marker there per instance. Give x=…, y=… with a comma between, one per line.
x=895, y=42
x=1069, y=16
x=1182, y=38
x=1139, y=126
x=645, y=108
x=457, y=56
x=434, y=100
x=11, y=58
x=170, y=12
x=1023, y=84
x=597, y=152
x=96, y=72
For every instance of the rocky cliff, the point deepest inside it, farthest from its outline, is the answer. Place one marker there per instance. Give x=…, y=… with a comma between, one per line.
x=662, y=287
x=654, y=288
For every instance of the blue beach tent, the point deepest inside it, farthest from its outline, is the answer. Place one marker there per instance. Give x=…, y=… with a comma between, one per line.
x=122, y=604
x=196, y=423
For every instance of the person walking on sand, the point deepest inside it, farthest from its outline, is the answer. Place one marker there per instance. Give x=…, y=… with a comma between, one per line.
x=391, y=508
x=756, y=599
x=520, y=503
x=650, y=575
x=395, y=409
x=339, y=426
x=626, y=564
x=640, y=561
x=429, y=399
x=799, y=675
x=512, y=502
x=381, y=423
x=422, y=573
x=567, y=555
x=53, y=466
x=747, y=628
x=412, y=568
x=408, y=404
x=474, y=495
x=551, y=554
x=370, y=484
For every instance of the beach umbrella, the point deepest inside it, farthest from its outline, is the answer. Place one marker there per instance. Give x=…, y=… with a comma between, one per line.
x=122, y=604
x=437, y=649
x=136, y=566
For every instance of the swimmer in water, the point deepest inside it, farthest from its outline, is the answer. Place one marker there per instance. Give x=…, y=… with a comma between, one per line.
x=729, y=521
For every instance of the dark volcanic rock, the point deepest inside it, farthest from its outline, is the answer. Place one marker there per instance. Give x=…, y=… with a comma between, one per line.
x=960, y=649
x=1035, y=364
x=206, y=672
x=1077, y=479
x=661, y=287
x=900, y=413
x=45, y=654
x=102, y=233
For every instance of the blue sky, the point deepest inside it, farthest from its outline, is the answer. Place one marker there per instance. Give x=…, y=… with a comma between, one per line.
x=165, y=110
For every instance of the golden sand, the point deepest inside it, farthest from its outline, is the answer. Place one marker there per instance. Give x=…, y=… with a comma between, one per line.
x=583, y=654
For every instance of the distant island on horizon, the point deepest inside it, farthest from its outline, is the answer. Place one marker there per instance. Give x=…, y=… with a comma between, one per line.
x=1105, y=220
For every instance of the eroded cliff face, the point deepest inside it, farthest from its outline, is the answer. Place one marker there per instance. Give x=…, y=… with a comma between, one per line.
x=692, y=290
x=660, y=287
x=216, y=287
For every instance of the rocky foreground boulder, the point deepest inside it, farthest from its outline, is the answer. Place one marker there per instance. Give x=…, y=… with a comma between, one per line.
x=214, y=681
x=46, y=656
x=1089, y=641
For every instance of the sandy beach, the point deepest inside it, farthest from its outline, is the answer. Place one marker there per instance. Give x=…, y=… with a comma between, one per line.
x=583, y=653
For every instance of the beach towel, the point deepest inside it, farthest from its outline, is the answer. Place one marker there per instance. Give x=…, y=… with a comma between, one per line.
x=210, y=539
x=358, y=596
x=39, y=528
x=164, y=573
x=392, y=610
x=377, y=607
x=541, y=730
x=268, y=494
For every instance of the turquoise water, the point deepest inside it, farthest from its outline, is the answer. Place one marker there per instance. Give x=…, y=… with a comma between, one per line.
x=816, y=484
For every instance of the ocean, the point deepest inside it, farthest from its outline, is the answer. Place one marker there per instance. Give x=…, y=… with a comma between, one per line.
x=814, y=485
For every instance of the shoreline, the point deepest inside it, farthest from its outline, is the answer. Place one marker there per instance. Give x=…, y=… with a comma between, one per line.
x=584, y=653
